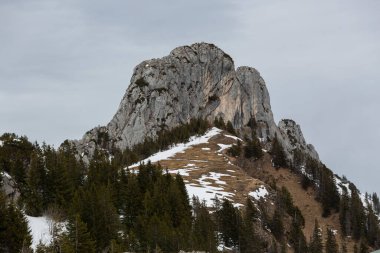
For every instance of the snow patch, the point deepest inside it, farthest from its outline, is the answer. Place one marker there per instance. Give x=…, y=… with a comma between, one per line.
x=183, y=172
x=40, y=230
x=5, y=174
x=233, y=137
x=194, y=140
x=223, y=146
x=340, y=186
x=206, y=193
x=206, y=149
x=303, y=171
x=212, y=176
x=259, y=193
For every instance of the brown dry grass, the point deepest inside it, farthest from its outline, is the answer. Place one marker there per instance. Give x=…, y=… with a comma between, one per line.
x=305, y=200
x=242, y=181
x=211, y=160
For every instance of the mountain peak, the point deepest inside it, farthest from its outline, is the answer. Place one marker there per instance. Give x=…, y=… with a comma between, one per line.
x=202, y=51
x=195, y=81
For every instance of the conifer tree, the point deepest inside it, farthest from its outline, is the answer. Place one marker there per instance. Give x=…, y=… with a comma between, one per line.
x=297, y=238
x=363, y=248
x=235, y=149
x=328, y=193
x=229, y=220
x=17, y=233
x=132, y=205
x=357, y=215
x=344, y=213
x=251, y=212
x=253, y=148
x=316, y=240
x=372, y=227
x=97, y=210
x=219, y=123
x=376, y=203
x=331, y=245
x=343, y=247
x=249, y=241
x=356, y=250
x=277, y=226
x=78, y=239
x=203, y=228
x=3, y=222
x=278, y=154
x=283, y=247
x=37, y=184
x=230, y=128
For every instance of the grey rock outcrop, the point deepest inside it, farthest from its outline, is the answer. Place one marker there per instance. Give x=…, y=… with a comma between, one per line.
x=293, y=138
x=192, y=81
x=9, y=187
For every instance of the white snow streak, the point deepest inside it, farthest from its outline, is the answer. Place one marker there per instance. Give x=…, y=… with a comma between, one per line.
x=223, y=146
x=194, y=140
x=233, y=137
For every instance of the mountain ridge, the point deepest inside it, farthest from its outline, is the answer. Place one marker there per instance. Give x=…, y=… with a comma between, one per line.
x=193, y=81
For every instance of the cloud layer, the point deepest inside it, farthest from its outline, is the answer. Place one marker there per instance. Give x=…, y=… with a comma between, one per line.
x=65, y=65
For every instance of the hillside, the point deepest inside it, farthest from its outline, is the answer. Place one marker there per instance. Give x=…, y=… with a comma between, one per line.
x=191, y=161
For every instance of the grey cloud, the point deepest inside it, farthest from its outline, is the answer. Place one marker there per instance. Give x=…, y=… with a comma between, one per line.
x=65, y=65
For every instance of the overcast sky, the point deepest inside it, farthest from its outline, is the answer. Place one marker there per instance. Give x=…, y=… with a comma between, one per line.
x=65, y=65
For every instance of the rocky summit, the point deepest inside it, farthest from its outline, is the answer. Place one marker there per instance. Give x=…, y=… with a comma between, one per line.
x=193, y=81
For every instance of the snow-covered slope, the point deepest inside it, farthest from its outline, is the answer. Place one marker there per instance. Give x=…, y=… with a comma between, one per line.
x=207, y=171
x=194, y=140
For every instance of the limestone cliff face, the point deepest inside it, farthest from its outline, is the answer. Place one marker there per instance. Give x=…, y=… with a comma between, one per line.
x=293, y=138
x=192, y=81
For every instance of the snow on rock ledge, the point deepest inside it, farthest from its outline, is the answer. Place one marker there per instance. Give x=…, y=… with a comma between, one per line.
x=259, y=193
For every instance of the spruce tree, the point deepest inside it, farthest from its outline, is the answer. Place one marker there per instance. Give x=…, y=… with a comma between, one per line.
x=203, y=228
x=253, y=148
x=328, y=193
x=331, y=245
x=297, y=238
x=18, y=236
x=278, y=154
x=249, y=240
x=37, y=184
x=229, y=220
x=78, y=239
x=376, y=203
x=132, y=205
x=96, y=209
x=277, y=225
x=343, y=247
x=357, y=214
x=230, y=128
x=316, y=240
x=3, y=222
x=363, y=248
x=344, y=213
x=372, y=227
